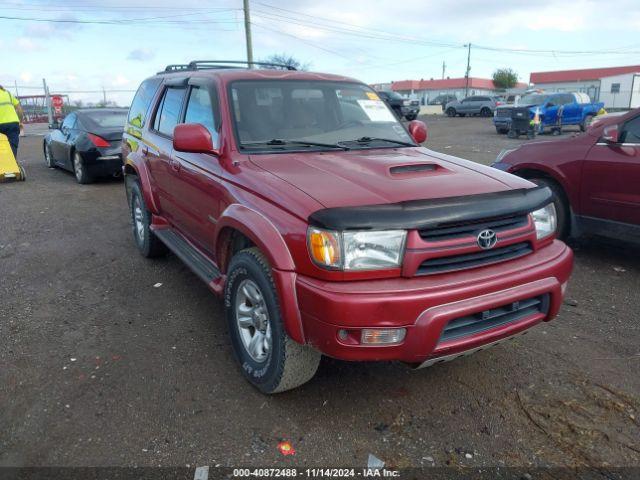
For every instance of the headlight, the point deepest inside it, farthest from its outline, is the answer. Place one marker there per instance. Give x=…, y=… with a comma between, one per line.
x=356, y=250
x=545, y=221
x=406, y=103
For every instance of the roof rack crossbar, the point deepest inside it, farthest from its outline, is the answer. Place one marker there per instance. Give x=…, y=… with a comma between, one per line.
x=204, y=64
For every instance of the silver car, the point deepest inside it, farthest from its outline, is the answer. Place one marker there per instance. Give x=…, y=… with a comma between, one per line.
x=475, y=105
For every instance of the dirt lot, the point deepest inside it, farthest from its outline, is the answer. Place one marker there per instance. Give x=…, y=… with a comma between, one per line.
x=101, y=367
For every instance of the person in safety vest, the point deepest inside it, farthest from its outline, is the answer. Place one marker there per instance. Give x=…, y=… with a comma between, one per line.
x=10, y=118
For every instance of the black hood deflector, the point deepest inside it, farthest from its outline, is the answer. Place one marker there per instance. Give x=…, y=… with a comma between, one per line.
x=421, y=214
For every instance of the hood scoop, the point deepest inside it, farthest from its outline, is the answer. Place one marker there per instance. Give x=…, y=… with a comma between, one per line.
x=403, y=170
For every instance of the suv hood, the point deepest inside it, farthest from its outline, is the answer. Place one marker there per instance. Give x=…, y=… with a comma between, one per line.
x=373, y=177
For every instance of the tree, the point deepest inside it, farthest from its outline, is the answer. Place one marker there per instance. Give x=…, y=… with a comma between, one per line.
x=504, y=78
x=285, y=59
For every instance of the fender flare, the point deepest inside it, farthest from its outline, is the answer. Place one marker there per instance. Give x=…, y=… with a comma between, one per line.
x=268, y=239
x=142, y=172
x=259, y=230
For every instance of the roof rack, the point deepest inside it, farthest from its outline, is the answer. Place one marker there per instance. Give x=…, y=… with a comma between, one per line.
x=220, y=64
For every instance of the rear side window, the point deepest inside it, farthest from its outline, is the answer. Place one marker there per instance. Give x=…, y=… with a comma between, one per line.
x=201, y=109
x=141, y=102
x=631, y=131
x=168, y=114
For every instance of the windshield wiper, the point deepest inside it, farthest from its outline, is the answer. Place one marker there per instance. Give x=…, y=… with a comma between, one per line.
x=281, y=143
x=368, y=140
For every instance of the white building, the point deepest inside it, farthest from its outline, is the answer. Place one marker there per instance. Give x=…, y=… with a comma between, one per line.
x=429, y=89
x=616, y=87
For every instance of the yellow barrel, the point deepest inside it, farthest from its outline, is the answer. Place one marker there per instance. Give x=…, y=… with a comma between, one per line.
x=9, y=167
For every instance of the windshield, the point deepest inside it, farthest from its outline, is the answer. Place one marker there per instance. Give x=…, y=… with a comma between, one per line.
x=108, y=118
x=283, y=114
x=534, y=99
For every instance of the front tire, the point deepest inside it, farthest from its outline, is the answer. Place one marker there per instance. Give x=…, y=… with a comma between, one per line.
x=561, y=205
x=501, y=131
x=411, y=117
x=148, y=244
x=268, y=357
x=80, y=170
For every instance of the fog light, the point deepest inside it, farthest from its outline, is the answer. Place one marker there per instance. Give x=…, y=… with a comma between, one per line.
x=385, y=336
x=343, y=334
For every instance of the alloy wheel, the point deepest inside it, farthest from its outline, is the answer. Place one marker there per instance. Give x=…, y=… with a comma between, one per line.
x=252, y=318
x=138, y=219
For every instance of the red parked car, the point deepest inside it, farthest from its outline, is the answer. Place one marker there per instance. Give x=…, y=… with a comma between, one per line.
x=595, y=176
x=302, y=200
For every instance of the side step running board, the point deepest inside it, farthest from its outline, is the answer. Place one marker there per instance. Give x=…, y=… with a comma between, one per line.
x=196, y=261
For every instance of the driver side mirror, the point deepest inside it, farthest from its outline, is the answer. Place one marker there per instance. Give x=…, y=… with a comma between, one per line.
x=193, y=138
x=418, y=131
x=611, y=134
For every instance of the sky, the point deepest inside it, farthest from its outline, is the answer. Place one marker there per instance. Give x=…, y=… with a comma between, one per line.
x=83, y=46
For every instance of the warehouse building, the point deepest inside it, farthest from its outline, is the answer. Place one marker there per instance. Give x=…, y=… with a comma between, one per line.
x=425, y=90
x=617, y=87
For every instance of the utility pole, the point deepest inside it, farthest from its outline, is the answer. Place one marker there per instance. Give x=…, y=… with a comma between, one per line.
x=104, y=97
x=47, y=100
x=466, y=83
x=247, y=32
x=15, y=82
x=444, y=65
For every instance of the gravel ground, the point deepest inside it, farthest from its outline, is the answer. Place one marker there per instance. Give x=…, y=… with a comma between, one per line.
x=111, y=359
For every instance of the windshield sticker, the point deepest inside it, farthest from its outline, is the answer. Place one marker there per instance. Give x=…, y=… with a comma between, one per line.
x=372, y=96
x=376, y=110
x=400, y=131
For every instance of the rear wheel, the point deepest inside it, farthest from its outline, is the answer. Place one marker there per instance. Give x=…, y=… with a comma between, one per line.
x=269, y=358
x=485, y=112
x=560, y=203
x=148, y=244
x=586, y=123
x=451, y=112
x=80, y=170
x=501, y=131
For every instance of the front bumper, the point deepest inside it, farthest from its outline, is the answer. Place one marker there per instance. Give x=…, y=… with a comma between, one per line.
x=424, y=306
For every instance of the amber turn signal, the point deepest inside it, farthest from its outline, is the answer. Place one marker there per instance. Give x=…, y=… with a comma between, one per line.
x=324, y=247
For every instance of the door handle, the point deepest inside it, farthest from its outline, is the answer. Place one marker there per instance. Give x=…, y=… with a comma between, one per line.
x=175, y=165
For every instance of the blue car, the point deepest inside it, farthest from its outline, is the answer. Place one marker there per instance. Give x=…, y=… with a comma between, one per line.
x=575, y=108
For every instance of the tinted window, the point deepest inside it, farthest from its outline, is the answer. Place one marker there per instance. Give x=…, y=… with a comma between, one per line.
x=631, y=131
x=168, y=113
x=566, y=99
x=69, y=121
x=106, y=119
x=200, y=109
x=140, y=104
x=483, y=99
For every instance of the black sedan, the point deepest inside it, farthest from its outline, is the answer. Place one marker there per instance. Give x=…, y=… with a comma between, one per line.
x=87, y=143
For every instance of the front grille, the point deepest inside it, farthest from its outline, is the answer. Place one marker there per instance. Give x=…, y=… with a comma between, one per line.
x=472, y=228
x=481, y=321
x=503, y=112
x=471, y=260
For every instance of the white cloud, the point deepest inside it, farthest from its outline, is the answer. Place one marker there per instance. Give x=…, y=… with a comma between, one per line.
x=141, y=54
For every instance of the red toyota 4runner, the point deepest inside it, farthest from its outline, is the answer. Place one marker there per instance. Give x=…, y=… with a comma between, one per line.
x=327, y=228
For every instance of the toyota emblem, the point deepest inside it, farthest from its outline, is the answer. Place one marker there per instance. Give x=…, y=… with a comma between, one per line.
x=487, y=239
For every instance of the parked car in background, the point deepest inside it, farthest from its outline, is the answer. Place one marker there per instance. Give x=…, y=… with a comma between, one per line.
x=595, y=176
x=87, y=143
x=576, y=109
x=402, y=107
x=443, y=100
x=331, y=232
x=475, y=105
